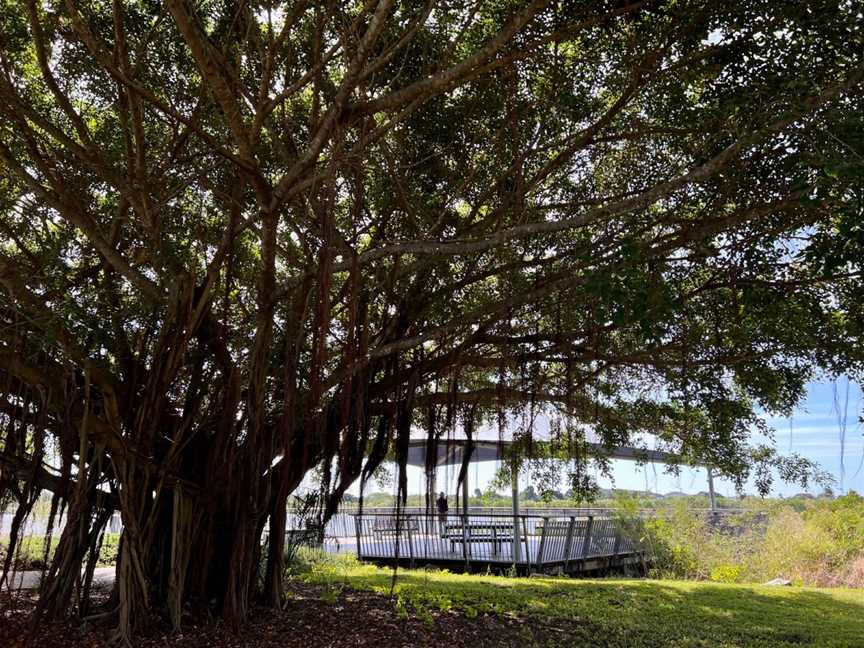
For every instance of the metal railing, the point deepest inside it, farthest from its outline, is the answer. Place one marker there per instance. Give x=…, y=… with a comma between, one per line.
x=340, y=533
x=527, y=541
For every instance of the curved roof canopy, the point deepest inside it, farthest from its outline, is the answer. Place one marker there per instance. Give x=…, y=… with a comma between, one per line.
x=450, y=452
x=490, y=443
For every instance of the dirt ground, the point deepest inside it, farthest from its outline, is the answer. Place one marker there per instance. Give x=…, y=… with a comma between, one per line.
x=309, y=620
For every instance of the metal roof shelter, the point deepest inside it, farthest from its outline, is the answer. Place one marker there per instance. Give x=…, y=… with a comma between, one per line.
x=451, y=452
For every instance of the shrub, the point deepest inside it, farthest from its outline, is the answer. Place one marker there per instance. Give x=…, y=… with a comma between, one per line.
x=31, y=551
x=822, y=544
x=110, y=548
x=313, y=561
x=819, y=543
x=726, y=574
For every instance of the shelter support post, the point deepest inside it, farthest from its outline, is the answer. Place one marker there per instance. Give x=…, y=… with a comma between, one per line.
x=429, y=499
x=711, y=497
x=517, y=547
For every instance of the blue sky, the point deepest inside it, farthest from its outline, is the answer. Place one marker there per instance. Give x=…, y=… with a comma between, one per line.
x=813, y=431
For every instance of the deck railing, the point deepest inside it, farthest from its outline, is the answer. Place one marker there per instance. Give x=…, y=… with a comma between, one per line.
x=340, y=531
x=527, y=541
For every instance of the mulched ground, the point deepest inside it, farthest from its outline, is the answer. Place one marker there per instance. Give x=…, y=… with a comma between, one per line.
x=308, y=621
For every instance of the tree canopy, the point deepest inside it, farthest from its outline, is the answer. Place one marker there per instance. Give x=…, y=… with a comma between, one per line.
x=243, y=239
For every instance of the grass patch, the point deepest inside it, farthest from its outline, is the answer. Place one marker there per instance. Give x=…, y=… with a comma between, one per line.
x=610, y=612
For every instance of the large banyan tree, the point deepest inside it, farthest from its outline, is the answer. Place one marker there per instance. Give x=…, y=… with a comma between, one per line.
x=241, y=239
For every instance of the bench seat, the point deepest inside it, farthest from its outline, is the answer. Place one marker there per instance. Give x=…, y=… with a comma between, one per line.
x=388, y=527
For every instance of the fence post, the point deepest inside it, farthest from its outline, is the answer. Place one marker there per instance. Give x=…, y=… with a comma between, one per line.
x=465, y=538
x=617, y=545
x=542, y=543
x=410, y=541
x=358, y=520
x=586, y=542
x=568, y=543
x=430, y=524
x=492, y=526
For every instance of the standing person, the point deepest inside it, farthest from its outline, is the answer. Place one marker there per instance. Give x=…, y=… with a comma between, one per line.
x=443, y=507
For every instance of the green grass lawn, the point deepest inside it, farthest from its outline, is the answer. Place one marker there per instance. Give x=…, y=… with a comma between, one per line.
x=618, y=612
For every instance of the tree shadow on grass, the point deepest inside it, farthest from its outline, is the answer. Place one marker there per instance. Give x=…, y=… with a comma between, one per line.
x=785, y=616
x=643, y=612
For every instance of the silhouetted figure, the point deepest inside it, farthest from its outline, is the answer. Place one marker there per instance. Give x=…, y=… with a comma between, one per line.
x=443, y=507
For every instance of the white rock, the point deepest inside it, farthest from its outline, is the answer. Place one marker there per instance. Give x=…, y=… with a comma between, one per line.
x=779, y=581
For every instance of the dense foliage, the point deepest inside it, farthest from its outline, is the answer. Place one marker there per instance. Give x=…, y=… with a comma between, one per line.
x=243, y=239
x=817, y=542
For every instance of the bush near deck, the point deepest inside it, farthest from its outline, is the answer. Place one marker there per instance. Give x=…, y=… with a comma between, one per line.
x=820, y=544
x=31, y=551
x=614, y=612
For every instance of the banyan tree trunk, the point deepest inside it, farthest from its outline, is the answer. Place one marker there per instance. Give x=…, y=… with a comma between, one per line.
x=177, y=548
